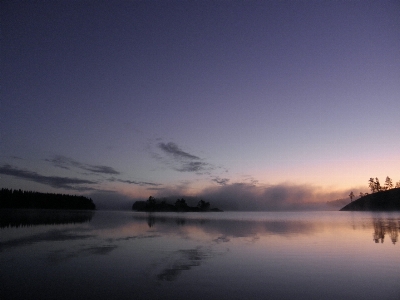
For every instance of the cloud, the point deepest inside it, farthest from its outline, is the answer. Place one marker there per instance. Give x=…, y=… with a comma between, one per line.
x=53, y=181
x=182, y=161
x=280, y=197
x=16, y=157
x=193, y=166
x=339, y=203
x=141, y=183
x=72, y=183
x=100, y=250
x=101, y=169
x=66, y=163
x=174, y=191
x=245, y=196
x=176, y=152
x=221, y=181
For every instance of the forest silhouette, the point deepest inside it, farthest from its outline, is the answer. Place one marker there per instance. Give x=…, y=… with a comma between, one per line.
x=27, y=199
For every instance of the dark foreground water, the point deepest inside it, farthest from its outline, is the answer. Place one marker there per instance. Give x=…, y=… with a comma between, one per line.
x=229, y=255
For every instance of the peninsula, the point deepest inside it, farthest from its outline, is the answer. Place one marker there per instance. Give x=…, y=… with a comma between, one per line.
x=388, y=200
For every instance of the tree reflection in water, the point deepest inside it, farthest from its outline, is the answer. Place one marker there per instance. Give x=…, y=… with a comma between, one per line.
x=151, y=220
x=230, y=255
x=382, y=227
x=33, y=217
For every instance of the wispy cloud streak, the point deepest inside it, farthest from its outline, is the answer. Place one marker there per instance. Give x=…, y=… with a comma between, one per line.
x=141, y=183
x=66, y=163
x=193, y=166
x=176, y=152
x=183, y=161
x=53, y=181
x=221, y=181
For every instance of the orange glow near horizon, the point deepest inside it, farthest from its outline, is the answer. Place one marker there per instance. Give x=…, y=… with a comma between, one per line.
x=332, y=175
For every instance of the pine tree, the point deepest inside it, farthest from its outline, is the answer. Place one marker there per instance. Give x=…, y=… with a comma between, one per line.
x=388, y=183
x=378, y=187
x=351, y=196
x=371, y=184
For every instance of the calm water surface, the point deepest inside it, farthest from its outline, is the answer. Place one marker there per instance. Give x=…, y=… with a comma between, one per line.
x=229, y=255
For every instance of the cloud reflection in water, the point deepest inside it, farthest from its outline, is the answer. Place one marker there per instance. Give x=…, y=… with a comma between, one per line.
x=129, y=255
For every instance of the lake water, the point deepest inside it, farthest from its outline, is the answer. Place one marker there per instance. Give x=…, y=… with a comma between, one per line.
x=228, y=255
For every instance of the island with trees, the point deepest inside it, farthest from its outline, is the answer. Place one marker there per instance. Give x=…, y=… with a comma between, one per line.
x=381, y=198
x=15, y=199
x=154, y=205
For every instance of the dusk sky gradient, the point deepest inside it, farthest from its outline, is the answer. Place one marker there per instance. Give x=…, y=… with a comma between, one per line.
x=260, y=105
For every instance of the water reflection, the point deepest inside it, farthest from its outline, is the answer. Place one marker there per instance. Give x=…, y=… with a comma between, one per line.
x=186, y=259
x=383, y=227
x=54, y=235
x=32, y=217
x=151, y=220
x=228, y=228
x=125, y=255
x=64, y=255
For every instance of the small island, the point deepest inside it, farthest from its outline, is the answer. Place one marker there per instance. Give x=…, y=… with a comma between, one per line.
x=382, y=198
x=18, y=199
x=154, y=205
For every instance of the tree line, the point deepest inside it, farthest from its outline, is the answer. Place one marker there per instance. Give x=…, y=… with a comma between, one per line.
x=375, y=186
x=27, y=199
x=27, y=217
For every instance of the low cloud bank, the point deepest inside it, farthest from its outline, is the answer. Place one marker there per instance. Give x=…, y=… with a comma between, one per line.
x=251, y=197
x=238, y=197
x=281, y=197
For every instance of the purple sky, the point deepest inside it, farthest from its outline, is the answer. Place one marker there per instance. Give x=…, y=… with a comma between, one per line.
x=274, y=104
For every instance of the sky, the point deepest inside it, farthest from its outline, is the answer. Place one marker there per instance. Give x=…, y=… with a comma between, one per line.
x=252, y=105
